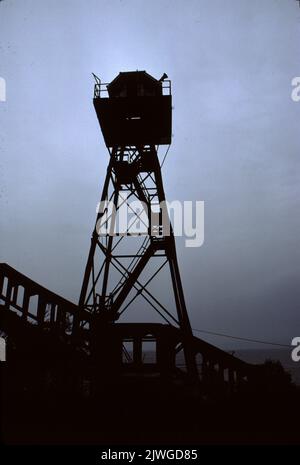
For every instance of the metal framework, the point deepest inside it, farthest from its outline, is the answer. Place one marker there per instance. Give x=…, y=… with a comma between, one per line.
x=114, y=281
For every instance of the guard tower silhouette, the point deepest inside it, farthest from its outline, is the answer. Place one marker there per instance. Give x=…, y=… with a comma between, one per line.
x=135, y=115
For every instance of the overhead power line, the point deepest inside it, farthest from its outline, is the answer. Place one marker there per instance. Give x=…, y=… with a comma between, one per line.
x=257, y=341
x=165, y=156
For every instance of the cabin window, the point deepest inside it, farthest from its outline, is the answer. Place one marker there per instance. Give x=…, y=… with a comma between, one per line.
x=2, y=349
x=145, y=91
x=120, y=92
x=123, y=91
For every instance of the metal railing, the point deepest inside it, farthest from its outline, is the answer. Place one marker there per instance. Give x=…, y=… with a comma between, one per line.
x=100, y=88
x=166, y=87
x=34, y=303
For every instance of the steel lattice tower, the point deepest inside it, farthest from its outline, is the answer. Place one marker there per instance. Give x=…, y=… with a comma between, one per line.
x=135, y=118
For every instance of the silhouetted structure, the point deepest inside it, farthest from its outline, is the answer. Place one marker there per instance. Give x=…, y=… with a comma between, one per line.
x=134, y=118
x=56, y=348
x=134, y=112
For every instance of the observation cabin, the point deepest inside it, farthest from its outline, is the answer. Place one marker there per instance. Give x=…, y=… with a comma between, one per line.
x=134, y=109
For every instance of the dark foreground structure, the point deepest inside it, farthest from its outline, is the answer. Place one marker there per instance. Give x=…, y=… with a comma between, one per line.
x=76, y=375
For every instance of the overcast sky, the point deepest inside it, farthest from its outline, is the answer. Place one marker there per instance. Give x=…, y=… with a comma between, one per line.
x=236, y=144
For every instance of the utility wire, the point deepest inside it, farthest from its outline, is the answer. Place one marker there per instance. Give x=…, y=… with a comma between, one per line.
x=241, y=338
x=165, y=156
x=257, y=341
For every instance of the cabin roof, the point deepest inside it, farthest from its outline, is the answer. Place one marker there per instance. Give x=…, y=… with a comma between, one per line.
x=130, y=76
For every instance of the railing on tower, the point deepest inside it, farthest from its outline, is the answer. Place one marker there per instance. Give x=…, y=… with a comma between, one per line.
x=100, y=88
